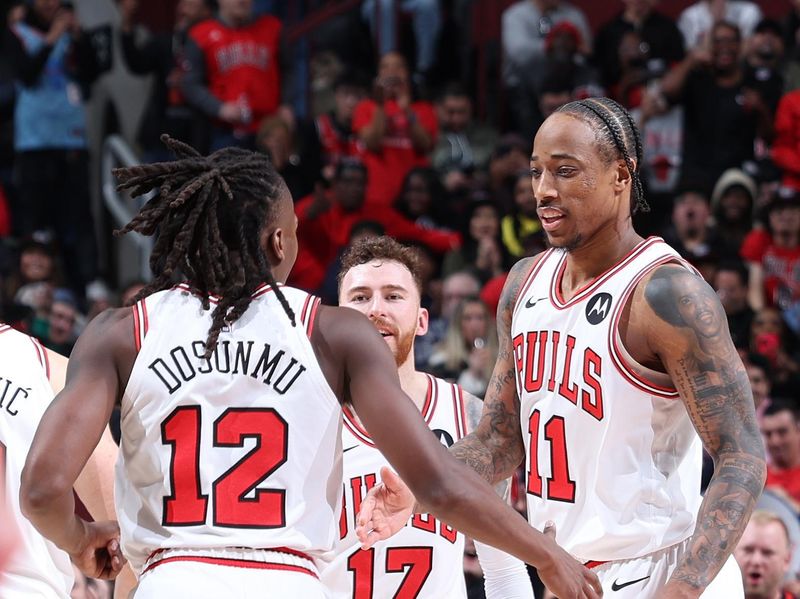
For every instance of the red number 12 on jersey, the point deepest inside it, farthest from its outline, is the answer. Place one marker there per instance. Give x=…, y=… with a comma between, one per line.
x=187, y=506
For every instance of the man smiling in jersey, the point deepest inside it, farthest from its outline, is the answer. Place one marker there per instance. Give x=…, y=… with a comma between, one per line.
x=605, y=391
x=381, y=279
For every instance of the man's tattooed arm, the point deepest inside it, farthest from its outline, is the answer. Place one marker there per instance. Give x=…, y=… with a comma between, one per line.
x=689, y=333
x=494, y=449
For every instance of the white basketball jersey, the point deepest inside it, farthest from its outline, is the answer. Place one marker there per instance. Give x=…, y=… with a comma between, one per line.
x=425, y=559
x=611, y=457
x=37, y=568
x=239, y=450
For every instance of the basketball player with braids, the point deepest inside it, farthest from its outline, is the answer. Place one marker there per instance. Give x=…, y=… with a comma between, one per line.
x=230, y=387
x=605, y=391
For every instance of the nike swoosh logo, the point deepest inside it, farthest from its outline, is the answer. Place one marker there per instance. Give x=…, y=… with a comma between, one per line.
x=349, y=448
x=532, y=302
x=616, y=586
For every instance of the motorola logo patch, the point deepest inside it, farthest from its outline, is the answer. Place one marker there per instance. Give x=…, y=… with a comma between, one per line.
x=598, y=308
x=444, y=437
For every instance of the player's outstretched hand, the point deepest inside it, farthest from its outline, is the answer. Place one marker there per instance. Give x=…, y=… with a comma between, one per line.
x=566, y=577
x=99, y=554
x=385, y=510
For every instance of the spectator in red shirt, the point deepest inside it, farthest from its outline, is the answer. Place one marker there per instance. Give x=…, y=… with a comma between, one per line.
x=780, y=427
x=335, y=128
x=233, y=73
x=397, y=132
x=773, y=256
x=326, y=217
x=786, y=146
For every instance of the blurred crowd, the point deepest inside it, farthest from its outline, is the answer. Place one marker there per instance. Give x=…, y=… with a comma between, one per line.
x=390, y=141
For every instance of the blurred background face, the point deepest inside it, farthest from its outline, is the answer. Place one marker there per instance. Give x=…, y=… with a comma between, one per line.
x=690, y=213
x=345, y=99
x=523, y=196
x=731, y=291
x=276, y=142
x=759, y=383
x=456, y=288
x=46, y=9
x=785, y=220
x=782, y=438
x=455, y=113
x=393, y=73
x=484, y=223
x=237, y=10
x=768, y=320
x=417, y=195
x=763, y=554
x=474, y=322
x=349, y=188
x=188, y=12
x=639, y=7
x=35, y=265
x=385, y=292
x=725, y=48
x=735, y=204
x=62, y=322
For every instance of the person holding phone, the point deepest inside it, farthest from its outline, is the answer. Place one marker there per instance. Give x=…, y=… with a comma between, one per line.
x=398, y=133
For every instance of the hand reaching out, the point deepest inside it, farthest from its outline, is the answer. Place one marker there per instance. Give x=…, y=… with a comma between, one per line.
x=566, y=577
x=385, y=510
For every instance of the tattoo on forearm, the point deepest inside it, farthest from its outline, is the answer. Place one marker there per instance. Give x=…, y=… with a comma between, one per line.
x=719, y=401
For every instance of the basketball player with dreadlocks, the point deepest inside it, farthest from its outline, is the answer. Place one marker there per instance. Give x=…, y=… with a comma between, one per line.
x=231, y=385
x=615, y=368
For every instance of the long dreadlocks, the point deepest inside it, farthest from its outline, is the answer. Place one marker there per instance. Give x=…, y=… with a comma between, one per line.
x=207, y=218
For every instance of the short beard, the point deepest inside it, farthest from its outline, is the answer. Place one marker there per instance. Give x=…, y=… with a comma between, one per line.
x=405, y=343
x=567, y=247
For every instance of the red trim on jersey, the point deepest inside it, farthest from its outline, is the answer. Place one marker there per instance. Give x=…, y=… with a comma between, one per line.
x=617, y=357
x=136, y=337
x=4, y=328
x=146, y=321
x=593, y=564
x=2, y=474
x=235, y=563
x=531, y=276
x=43, y=359
x=312, y=315
x=557, y=298
x=459, y=412
x=360, y=433
x=262, y=290
x=304, y=311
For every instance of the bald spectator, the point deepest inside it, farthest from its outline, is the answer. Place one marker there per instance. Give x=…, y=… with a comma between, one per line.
x=763, y=554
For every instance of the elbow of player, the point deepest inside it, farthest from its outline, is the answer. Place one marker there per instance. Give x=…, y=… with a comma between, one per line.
x=443, y=497
x=39, y=491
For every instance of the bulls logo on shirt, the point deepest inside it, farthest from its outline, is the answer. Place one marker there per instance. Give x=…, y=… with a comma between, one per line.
x=598, y=308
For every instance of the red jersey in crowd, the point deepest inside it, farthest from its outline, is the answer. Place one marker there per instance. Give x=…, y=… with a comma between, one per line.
x=786, y=146
x=242, y=63
x=788, y=480
x=336, y=143
x=321, y=238
x=781, y=267
x=387, y=168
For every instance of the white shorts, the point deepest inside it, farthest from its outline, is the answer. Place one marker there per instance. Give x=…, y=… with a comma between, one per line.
x=229, y=572
x=641, y=578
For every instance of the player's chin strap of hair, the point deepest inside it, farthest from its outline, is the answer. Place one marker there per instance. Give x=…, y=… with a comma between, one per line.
x=619, y=140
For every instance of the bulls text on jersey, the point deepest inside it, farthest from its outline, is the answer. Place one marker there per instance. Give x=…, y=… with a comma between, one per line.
x=578, y=380
x=276, y=369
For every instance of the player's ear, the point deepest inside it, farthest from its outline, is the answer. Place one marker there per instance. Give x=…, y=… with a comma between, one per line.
x=422, y=321
x=272, y=241
x=623, y=175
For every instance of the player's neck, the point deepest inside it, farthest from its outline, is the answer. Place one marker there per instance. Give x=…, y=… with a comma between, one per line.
x=596, y=256
x=414, y=383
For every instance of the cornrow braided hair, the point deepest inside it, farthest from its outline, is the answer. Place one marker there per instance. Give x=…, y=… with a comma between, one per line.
x=207, y=217
x=618, y=132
